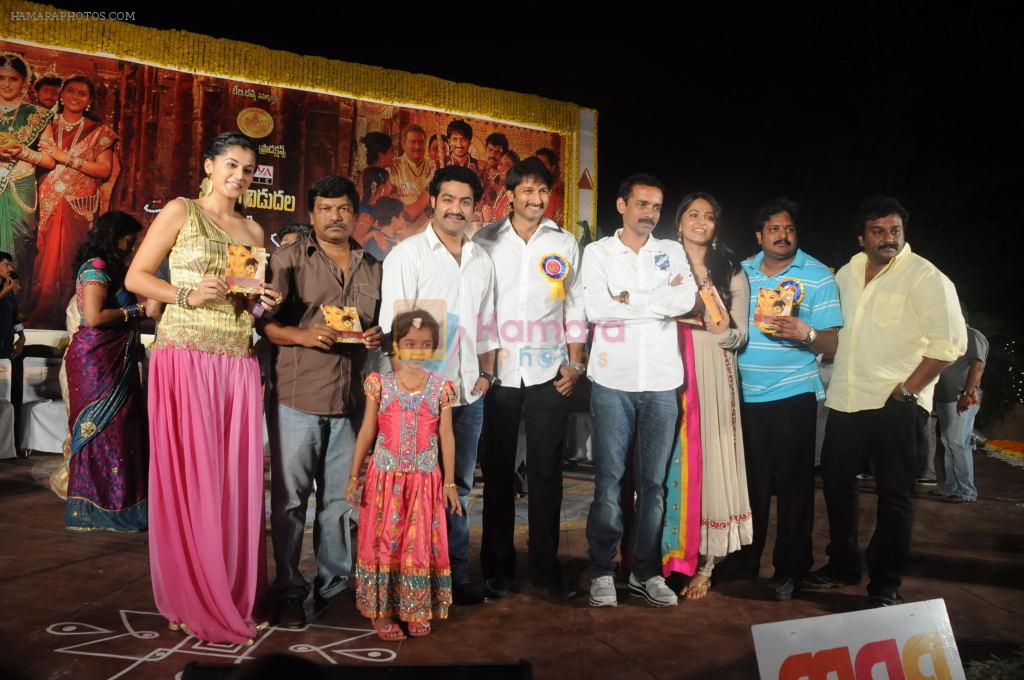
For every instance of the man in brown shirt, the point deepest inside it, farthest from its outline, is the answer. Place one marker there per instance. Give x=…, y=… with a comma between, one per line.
x=314, y=411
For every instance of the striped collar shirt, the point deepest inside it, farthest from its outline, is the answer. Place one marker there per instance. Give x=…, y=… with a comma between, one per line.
x=771, y=368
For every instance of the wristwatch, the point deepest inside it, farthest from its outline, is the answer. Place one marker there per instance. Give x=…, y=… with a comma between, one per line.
x=491, y=378
x=577, y=366
x=908, y=396
x=812, y=335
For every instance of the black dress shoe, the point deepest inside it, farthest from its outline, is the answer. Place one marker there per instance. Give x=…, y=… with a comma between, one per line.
x=824, y=579
x=552, y=584
x=556, y=590
x=497, y=587
x=780, y=589
x=466, y=594
x=320, y=604
x=291, y=613
x=734, y=568
x=885, y=597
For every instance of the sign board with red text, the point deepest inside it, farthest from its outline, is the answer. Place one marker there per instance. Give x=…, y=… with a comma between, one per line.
x=904, y=642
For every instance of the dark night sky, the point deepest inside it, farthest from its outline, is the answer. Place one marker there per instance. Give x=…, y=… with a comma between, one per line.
x=824, y=102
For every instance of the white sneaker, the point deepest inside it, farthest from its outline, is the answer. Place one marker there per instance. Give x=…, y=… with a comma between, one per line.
x=653, y=590
x=602, y=592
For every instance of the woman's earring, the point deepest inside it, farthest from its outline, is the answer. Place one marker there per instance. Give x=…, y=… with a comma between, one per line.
x=205, y=187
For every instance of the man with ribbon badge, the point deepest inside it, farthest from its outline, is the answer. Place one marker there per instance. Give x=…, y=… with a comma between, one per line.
x=541, y=329
x=782, y=385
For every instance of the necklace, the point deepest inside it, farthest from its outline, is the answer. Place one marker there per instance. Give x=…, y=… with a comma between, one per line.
x=411, y=390
x=64, y=127
x=412, y=167
x=68, y=127
x=8, y=112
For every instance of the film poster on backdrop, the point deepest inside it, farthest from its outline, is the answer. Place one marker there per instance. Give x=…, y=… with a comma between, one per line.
x=153, y=123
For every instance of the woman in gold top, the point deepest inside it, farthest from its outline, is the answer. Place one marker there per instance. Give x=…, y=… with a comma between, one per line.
x=206, y=429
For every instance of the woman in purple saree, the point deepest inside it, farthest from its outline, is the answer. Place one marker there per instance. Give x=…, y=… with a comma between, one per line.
x=108, y=468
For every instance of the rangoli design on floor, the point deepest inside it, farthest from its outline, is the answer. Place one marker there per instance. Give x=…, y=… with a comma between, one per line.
x=146, y=639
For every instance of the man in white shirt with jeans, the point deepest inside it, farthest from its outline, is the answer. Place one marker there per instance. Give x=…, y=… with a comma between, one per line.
x=539, y=309
x=440, y=265
x=633, y=286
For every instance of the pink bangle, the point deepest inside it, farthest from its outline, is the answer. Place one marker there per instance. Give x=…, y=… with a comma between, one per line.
x=257, y=310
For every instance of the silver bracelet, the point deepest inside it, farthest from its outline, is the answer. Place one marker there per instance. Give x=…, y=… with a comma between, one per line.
x=181, y=297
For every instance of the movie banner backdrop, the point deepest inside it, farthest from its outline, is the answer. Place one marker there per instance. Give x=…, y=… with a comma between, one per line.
x=146, y=126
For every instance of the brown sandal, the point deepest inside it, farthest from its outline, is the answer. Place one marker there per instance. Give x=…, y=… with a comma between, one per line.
x=419, y=628
x=390, y=632
x=697, y=588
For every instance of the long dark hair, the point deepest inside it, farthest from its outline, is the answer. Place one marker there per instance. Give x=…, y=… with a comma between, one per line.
x=721, y=262
x=373, y=177
x=107, y=230
x=377, y=143
x=225, y=140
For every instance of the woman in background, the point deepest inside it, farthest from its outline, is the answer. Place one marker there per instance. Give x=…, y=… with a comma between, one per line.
x=69, y=196
x=109, y=461
x=21, y=125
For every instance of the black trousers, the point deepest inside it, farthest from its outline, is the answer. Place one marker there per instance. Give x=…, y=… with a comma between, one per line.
x=778, y=442
x=888, y=438
x=545, y=413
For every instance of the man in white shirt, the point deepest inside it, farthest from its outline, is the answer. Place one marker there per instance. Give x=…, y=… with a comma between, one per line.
x=439, y=268
x=633, y=286
x=539, y=309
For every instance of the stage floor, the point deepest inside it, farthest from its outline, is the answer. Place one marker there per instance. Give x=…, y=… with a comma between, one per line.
x=80, y=605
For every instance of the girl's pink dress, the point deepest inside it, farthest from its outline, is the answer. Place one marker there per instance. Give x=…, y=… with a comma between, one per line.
x=403, y=568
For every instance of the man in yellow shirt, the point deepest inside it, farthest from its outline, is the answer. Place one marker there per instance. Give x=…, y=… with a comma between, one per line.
x=903, y=327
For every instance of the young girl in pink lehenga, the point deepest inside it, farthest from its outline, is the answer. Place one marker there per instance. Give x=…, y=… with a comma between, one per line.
x=402, y=568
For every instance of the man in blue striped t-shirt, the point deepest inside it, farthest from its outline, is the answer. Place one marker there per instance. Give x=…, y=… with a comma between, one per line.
x=781, y=387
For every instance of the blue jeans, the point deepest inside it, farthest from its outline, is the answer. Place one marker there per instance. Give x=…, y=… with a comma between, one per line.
x=959, y=457
x=650, y=419
x=307, y=448
x=467, y=421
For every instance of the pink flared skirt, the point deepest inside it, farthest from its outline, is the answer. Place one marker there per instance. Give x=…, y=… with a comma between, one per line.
x=403, y=568
x=206, y=515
